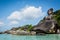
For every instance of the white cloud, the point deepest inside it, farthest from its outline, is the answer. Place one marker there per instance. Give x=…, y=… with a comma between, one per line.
x=1, y=23
x=14, y=22
x=15, y=15
x=29, y=12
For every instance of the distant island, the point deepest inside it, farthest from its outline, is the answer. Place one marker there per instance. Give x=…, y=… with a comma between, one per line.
x=49, y=25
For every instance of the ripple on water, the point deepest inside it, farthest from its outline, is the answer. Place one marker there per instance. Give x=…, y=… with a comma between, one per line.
x=27, y=37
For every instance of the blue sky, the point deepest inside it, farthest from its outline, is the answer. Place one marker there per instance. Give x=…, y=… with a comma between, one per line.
x=15, y=13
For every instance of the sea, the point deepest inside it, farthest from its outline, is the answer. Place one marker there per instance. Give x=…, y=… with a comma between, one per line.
x=30, y=37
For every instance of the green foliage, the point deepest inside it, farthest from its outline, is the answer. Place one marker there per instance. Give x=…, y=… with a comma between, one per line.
x=30, y=27
x=57, y=16
x=22, y=28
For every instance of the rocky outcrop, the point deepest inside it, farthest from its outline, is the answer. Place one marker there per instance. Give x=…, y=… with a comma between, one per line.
x=47, y=25
x=20, y=32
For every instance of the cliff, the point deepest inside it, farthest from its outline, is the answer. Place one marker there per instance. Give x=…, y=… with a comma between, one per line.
x=49, y=24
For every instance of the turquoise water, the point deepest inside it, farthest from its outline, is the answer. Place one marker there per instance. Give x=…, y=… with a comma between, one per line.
x=26, y=37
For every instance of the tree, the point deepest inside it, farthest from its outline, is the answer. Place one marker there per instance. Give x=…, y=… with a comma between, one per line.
x=57, y=16
x=30, y=27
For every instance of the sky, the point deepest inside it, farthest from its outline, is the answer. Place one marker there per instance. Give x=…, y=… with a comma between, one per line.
x=16, y=13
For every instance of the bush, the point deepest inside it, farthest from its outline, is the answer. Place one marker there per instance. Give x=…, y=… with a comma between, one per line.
x=57, y=16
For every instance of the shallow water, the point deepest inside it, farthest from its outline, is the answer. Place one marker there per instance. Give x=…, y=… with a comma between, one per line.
x=30, y=37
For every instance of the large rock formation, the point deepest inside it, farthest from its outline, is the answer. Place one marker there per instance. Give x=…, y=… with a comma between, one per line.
x=47, y=25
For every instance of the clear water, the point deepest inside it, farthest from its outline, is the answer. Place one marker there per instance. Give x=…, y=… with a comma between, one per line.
x=26, y=37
